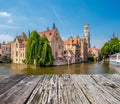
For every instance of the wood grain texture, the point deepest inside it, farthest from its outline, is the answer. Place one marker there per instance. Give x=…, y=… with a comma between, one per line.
x=64, y=89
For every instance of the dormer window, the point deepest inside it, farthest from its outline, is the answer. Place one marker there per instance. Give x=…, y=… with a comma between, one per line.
x=50, y=34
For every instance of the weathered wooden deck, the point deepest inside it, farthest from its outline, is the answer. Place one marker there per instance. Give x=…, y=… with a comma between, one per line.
x=64, y=89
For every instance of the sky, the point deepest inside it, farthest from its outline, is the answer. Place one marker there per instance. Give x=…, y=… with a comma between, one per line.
x=103, y=16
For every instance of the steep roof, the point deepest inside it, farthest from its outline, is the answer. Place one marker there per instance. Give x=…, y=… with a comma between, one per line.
x=23, y=44
x=72, y=41
x=48, y=33
x=21, y=37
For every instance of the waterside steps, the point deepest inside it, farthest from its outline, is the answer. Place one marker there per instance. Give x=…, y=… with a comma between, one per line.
x=56, y=89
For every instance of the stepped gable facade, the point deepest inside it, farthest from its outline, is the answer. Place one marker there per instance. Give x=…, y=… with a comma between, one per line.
x=55, y=41
x=18, y=48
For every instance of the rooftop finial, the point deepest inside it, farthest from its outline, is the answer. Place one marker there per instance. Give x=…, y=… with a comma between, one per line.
x=29, y=32
x=54, y=25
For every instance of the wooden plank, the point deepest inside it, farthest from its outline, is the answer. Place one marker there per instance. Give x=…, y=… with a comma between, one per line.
x=94, y=92
x=19, y=93
x=108, y=85
x=72, y=92
x=4, y=76
x=57, y=90
x=65, y=89
x=114, y=77
x=8, y=82
x=40, y=93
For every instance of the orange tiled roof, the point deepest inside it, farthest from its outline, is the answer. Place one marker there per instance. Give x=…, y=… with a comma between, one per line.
x=72, y=40
x=48, y=33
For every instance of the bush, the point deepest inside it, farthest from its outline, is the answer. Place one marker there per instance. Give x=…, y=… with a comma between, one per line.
x=24, y=61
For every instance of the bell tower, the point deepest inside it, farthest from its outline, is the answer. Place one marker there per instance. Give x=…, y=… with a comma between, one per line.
x=87, y=34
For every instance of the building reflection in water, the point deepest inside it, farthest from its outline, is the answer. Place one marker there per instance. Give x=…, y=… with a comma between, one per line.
x=82, y=68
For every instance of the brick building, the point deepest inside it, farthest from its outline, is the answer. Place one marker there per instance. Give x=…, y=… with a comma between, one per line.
x=18, y=48
x=5, y=49
x=55, y=40
x=78, y=47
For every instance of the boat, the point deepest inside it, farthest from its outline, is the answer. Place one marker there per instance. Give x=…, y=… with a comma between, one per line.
x=115, y=59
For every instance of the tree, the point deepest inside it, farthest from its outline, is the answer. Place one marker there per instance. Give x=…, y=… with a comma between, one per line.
x=39, y=50
x=45, y=53
x=32, y=47
x=111, y=47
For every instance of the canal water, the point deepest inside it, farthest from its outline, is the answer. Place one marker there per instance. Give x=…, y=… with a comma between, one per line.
x=82, y=68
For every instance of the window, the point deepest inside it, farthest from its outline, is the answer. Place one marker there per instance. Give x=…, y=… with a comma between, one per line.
x=16, y=45
x=58, y=46
x=50, y=34
x=56, y=54
x=21, y=55
x=16, y=53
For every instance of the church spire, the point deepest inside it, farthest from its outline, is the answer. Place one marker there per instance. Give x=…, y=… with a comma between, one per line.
x=29, y=33
x=54, y=25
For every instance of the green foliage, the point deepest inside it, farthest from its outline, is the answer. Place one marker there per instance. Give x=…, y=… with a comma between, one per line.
x=39, y=50
x=45, y=53
x=24, y=61
x=110, y=47
x=10, y=60
x=91, y=59
x=32, y=47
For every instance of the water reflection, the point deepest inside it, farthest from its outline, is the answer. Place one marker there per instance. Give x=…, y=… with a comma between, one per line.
x=82, y=68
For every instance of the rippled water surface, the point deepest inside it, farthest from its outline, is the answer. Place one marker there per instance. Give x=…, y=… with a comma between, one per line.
x=82, y=68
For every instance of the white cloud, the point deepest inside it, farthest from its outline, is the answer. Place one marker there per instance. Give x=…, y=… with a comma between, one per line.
x=9, y=21
x=5, y=14
x=6, y=38
x=9, y=27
